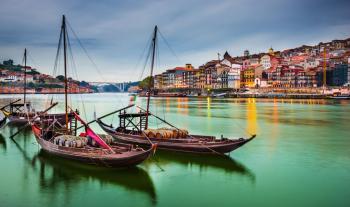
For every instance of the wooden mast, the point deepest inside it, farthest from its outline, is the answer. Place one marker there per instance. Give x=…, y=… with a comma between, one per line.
x=151, y=75
x=25, y=79
x=65, y=69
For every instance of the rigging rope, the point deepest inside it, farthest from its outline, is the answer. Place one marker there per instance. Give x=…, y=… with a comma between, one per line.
x=74, y=72
x=89, y=57
x=168, y=45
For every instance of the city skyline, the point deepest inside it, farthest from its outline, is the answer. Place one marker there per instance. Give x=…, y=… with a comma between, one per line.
x=115, y=33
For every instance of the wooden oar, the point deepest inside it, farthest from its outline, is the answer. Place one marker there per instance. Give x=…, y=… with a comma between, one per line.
x=31, y=120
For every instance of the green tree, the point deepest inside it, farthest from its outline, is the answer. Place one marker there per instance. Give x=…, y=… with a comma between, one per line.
x=31, y=85
x=145, y=83
x=60, y=78
x=84, y=84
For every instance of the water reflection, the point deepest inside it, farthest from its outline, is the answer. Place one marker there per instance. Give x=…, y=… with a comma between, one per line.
x=204, y=162
x=275, y=129
x=56, y=173
x=3, y=142
x=182, y=105
x=251, y=116
x=208, y=107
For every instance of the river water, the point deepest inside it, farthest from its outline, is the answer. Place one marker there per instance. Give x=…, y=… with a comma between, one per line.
x=301, y=157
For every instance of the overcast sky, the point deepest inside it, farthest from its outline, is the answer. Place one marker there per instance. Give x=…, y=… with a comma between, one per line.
x=115, y=33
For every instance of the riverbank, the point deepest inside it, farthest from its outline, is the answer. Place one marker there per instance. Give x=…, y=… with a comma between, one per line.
x=20, y=90
x=289, y=93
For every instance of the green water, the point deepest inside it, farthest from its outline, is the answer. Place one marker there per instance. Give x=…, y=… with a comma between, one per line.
x=301, y=157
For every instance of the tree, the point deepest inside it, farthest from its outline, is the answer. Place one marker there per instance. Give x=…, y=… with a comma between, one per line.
x=84, y=84
x=60, y=78
x=145, y=83
x=31, y=85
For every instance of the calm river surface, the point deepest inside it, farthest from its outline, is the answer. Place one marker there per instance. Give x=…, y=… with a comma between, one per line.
x=301, y=157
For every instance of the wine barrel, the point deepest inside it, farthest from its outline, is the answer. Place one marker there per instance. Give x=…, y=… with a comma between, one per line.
x=145, y=132
x=79, y=143
x=152, y=133
x=175, y=133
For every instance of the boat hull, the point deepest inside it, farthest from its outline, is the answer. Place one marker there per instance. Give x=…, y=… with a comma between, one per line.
x=97, y=157
x=340, y=97
x=217, y=147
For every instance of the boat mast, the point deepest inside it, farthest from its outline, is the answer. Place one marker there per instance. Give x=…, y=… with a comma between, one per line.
x=25, y=78
x=65, y=69
x=154, y=40
x=324, y=68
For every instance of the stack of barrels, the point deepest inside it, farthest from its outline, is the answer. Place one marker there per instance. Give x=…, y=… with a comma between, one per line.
x=165, y=133
x=70, y=141
x=107, y=138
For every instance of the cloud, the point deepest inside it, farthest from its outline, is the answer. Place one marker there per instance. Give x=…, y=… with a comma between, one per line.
x=115, y=32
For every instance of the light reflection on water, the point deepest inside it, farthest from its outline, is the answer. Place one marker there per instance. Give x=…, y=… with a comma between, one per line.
x=300, y=145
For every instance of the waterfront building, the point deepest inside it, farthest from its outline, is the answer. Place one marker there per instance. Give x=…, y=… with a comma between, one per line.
x=297, y=67
x=179, y=81
x=269, y=60
x=165, y=80
x=248, y=78
x=202, y=77
x=234, y=76
x=245, y=64
x=319, y=77
x=233, y=71
x=222, y=71
x=158, y=81
x=260, y=76
x=254, y=61
x=191, y=79
x=265, y=61
x=210, y=74
x=311, y=62
x=349, y=68
x=340, y=75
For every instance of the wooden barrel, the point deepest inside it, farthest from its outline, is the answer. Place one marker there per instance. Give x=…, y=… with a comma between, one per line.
x=159, y=134
x=145, y=132
x=163, y=134
x=175, y=133
x=152, y=133
x=182, y=133
x=169, y=134
x=79, y=143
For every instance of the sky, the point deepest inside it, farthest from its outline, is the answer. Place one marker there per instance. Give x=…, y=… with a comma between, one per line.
x=115, y=33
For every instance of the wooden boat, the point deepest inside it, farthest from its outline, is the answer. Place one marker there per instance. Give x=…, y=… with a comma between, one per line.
x=133, y=129
x=339, y=96
x=121, y=155
x=17, y=114
x=20, y=112
x=88, y=147
x=189, y=143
